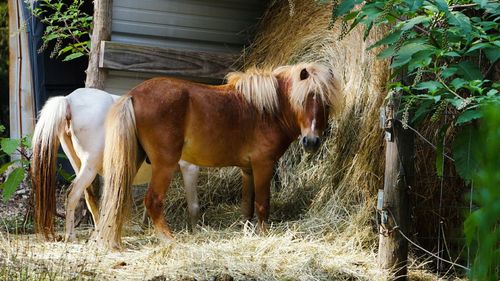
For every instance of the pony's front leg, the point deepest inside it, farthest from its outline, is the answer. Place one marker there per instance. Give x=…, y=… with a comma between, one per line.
x=262, y=175
x=80, y=183
x=247, y=194
x=158, y=187
x=190, y=174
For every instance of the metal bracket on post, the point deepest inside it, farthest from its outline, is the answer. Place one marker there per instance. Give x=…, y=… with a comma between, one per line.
x=389, y=118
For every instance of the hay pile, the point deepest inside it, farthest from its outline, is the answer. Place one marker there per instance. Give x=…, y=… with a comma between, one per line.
x=322, y=204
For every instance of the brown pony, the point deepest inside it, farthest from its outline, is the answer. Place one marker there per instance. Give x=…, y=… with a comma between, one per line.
x=248, y=122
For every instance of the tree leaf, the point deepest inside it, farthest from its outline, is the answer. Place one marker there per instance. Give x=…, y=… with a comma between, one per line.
x=9, y=146
x=492, y=54
x=414, y=4
x=407, y=51
x=461, y=21
x=409, y=24
x=73, y=56
x=469, y=71
x=346, y=6
x=422, y=111
x=389, y=39
x=13, y=181
x=430, y=86
x=468, y=115
x=465, y=162
x=442, y=6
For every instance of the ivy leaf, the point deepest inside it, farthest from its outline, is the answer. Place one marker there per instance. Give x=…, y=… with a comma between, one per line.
x=465, y=162
x=469, y=71
x=73, y=56
x=9, y=146
x=468, y=115
x=13, y=181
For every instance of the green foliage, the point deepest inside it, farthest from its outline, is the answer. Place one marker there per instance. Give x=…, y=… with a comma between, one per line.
x=19, y=166
x=446, y=48
x=481, y=227
x=447, y=51
x=67, y=26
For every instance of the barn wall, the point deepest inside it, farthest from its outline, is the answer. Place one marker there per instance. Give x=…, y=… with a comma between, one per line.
x=213, y=26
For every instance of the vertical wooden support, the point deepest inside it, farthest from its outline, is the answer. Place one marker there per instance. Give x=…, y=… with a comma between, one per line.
x=399, y=174
x=21, y=100
x=103, y=10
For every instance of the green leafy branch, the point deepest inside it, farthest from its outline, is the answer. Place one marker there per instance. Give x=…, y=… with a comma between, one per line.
x=446, y=50
x=67, y=26
x=20, y=166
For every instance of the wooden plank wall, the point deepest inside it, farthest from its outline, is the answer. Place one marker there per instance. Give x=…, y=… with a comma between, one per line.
x=120, y=56
x=199, y=39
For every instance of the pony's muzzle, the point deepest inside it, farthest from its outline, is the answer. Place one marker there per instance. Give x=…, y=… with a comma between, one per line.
x=310, y=143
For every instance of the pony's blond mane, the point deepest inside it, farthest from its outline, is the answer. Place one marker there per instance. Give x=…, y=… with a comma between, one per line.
x=321, y=80
x=257, y=86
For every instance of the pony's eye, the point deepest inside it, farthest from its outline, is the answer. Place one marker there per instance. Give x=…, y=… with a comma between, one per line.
x=304, y=74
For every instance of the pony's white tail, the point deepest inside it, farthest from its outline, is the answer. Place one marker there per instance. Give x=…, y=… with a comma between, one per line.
x=50, y=125
x=120, y=167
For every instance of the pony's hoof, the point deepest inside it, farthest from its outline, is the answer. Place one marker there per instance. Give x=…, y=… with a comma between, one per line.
x=70, y=238
x=262, y=228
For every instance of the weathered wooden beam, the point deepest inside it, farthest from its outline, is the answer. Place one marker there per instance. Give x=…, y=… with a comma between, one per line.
x=101, y=31
x=399, y=176
x=21, y=99
x=166, y=61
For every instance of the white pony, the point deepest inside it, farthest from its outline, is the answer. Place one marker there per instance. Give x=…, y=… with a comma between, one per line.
x=77, y=123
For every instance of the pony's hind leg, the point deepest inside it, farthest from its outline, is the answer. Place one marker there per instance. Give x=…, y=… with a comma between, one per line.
x=262, y=175
x=84, y=178
x=91, y=200
x=160, y=182
x=190, y=176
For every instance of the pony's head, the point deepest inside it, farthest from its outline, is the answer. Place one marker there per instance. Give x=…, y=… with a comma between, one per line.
x=313, y=92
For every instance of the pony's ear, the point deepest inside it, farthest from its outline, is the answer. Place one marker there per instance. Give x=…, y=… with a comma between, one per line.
x=304, y=74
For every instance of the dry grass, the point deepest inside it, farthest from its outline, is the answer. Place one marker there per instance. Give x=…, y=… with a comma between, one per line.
x=322, y=205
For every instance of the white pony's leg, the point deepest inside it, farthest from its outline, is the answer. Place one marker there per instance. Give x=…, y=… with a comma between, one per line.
x=69, y=150
x=190, y=176
x=80, y=183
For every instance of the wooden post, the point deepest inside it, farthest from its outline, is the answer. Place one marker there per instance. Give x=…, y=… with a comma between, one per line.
x=21, y=100
x=399, y=173
x=100, y=32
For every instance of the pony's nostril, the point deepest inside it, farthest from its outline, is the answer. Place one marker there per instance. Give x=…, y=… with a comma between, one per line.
x=304, y=141
x=316, y=142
